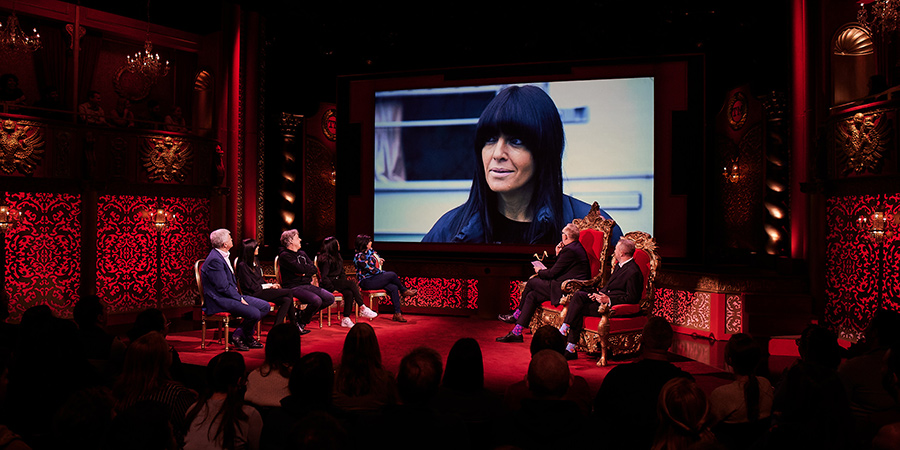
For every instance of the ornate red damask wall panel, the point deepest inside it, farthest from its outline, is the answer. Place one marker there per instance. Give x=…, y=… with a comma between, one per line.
x=43, y=253
x=861, y=275
x=451, y=293
x=138, y=268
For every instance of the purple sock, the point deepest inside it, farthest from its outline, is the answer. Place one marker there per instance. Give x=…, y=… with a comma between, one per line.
x=517, y=313
x=517, y=330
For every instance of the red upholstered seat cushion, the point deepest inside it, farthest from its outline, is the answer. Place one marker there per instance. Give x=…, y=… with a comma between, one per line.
x=592, y=241
x=626, y=310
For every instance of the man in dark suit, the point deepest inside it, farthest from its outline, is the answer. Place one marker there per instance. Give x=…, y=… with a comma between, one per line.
x=625, y=286
x=220, y=292
x=571, y=262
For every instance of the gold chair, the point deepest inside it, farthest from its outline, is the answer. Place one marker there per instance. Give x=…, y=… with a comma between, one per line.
x=222, y=318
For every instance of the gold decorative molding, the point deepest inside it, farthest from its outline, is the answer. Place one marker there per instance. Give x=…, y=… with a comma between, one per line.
x=861, y=142
x=737, y=110
x=166, y=158
x=853, y=40
x=21, y=146
x=329, y=125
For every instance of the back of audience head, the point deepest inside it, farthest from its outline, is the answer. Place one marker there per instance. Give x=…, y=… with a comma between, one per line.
x=743, y=354
x=313, y=369
x=282, y=349
x=144, y=426
x=657, y=335
x=548, y=374
x=360, y=361
x=88, y=311
x=884, y=328
x=465, y=367
x=683, y=414
x=150, y=319
x=818, y=345
x=83, y=421
x=419, y=376
x=548, y=337
x=146, y=366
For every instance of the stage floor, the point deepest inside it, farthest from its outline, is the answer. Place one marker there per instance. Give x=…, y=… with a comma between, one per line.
x=504, y=363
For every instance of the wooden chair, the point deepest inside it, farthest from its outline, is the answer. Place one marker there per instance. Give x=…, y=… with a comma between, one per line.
x=222, y=318
x=297, y=303
x=372, y=295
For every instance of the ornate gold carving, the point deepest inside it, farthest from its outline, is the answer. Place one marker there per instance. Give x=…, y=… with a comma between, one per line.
x=853, y=40
x=737, y=110
x=166, y=158
x=21, y=146
x=329, y=128
x=861, y=142
x=734, y=306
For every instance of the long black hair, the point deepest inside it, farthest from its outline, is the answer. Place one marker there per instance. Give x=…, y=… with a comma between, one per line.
x=529, y=114
x=248, y=252
x=226, y=373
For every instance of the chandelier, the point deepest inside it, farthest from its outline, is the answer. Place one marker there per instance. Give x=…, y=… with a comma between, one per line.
x=14, y=40
x=147, y=63
x=885, y=16
x=8, y=218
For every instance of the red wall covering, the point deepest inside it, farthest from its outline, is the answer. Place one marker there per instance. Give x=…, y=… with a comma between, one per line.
x=43, y=253
x=136, y=269
x=861, y=275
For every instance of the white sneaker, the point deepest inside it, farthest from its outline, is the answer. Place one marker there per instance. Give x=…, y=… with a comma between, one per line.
x=346, y=322
x=367, y=313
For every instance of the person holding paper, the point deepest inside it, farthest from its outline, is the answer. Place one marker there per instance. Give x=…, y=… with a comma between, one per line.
x=571, y=263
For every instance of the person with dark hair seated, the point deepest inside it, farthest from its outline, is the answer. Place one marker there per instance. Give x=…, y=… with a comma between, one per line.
x=268, y=384
x=104, y=350
x=362, y=385
x=250, y=279
x=331, y=269
x=462, y=393
x=517, y=187
x=220, y=292
x=625, y=286
x=371, y=276
x=571, y=263
x=297, y=271
x=684, y=416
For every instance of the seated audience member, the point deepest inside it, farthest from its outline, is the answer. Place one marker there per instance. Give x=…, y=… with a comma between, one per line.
x=571, y=263
x=862, y=375
x=90, y=112
x=46, y=367
x=549, y=380
x=888, y=435
x=122, y=116
x=740, y=411
x=372, y=277
x=143, y=426
x=418, y=382
x=268, y=384
x=220, y=419
x=145, y=377
x=333, y=278
x=314, y=369
x=810, y=408
x=104, y=350
x=548, y=337
x=684, y=416
x=625, y=286
x=10, y=92
x=84, y=420
x=362, y=385
x=153, y=319
x=463, y=395
x=250, y=278
x=625, y=405
x=220, y=292
x=50, y=105
x=297, y=270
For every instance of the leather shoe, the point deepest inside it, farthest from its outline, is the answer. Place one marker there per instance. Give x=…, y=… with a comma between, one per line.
x=254, y=343
x=410, y=292
x=571, y=355
x=238, y=344
x=302, y=329
x=508, y=318
x=398, y=318
x=510, y=337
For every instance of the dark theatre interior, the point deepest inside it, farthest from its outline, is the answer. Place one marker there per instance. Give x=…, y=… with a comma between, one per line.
x=773, y=212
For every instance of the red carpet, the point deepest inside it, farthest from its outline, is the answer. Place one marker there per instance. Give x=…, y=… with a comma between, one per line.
x=504, y=363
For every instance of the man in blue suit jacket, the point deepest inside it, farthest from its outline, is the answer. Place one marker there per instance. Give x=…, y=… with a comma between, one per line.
x=220, y=292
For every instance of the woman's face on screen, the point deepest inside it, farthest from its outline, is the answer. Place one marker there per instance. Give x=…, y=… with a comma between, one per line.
x=508, y=165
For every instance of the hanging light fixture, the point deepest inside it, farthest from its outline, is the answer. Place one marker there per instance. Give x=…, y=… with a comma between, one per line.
x=885, y=16
x=8, y=218
x=147, y=63
x=14, y=40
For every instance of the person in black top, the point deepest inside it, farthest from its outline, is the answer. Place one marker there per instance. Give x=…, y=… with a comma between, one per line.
x=333, y=278
x=297, y=271
x=251, y=281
